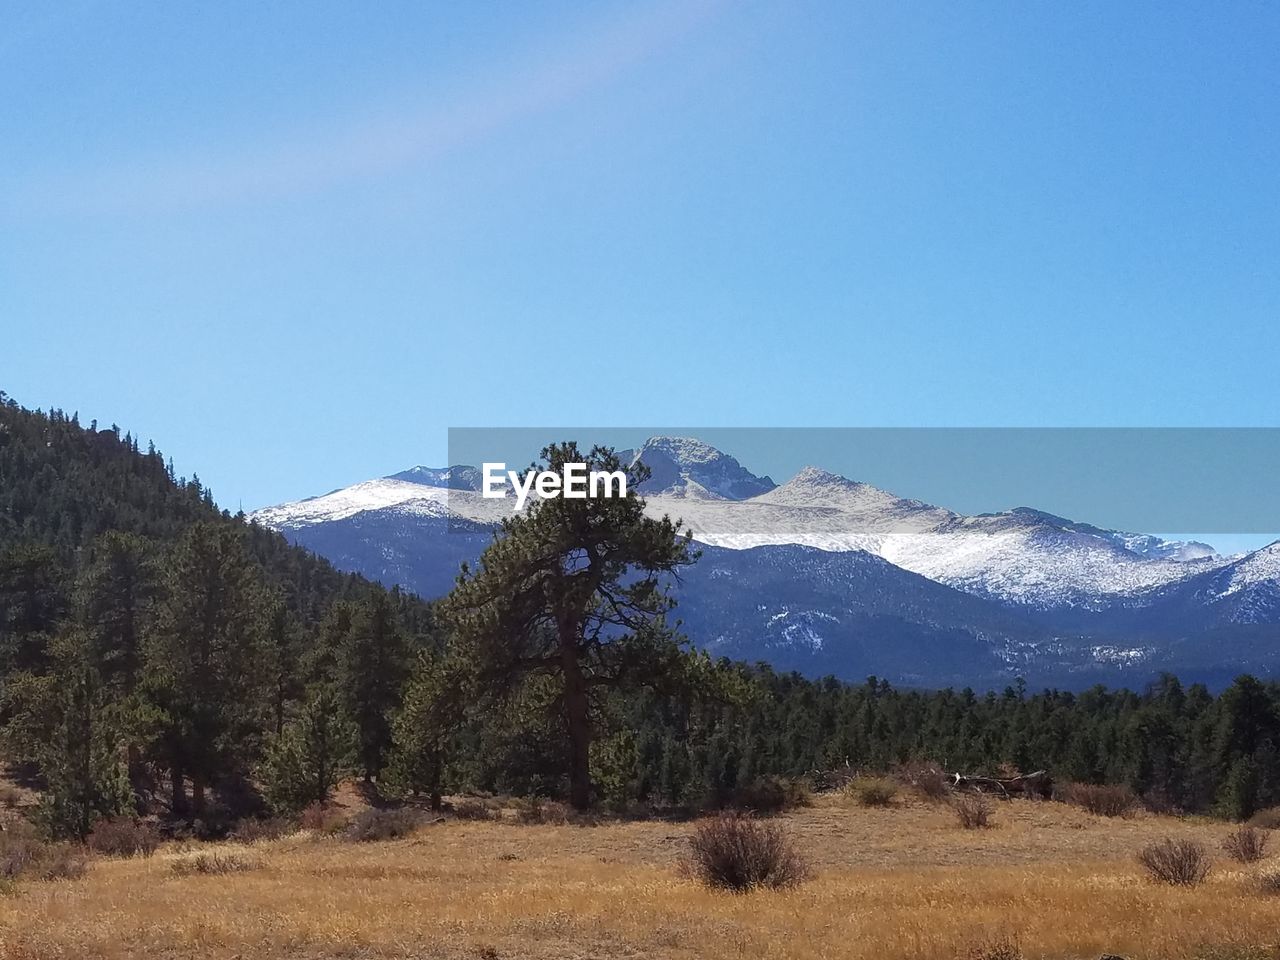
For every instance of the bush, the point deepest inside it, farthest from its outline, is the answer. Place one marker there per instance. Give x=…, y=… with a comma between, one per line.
x=24, y=856
x=1246, y=845
x=473, y=808
x=1179, y=862
x=872, y=791
x=998, y=948
x=531, y=810
x=973, y=811
x=1103, y=800
x=736, y=852
x=1268, y=882
x=773, y=795
x=211, y=862
x=262, y=829
x=373, y=825
x=927, y=779
x=123, y=837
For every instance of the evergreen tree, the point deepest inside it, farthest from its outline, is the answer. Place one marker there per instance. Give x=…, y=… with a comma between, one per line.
x=423, y=728
x=66, y=723
x=372, y=668
x=310, y=756
x=571, y=589
x=206, y=661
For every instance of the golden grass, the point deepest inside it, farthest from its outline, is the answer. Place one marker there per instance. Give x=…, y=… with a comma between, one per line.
x=904, y=882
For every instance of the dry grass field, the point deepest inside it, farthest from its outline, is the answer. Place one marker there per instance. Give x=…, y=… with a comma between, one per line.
x=897, y=882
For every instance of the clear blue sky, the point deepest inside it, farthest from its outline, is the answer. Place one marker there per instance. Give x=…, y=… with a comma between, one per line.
x=294, y=242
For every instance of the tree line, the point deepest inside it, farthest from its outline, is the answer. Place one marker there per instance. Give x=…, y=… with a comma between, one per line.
x=158, y=655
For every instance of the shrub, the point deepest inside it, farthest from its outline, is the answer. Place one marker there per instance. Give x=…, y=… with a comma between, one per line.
x=1179, y=862
x=1268, y=882
x=532, y=810
x=10, y=796
x=997, y=948
x=259, y=829
x=772, y=795
x=1268, y=819
x=473, y=808
x=1103, y=800
x=927, y=779
x=736, y=852
x=872, y=791
x=1246, y=845
x=211, y=862
x=123, y=837
x=24, y=856
x=373, y=825
x=973, y=811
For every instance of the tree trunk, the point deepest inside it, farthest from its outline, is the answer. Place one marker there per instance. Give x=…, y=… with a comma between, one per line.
x=437, y=761
x=178, y=801
x=197, y=795
x=577, y=719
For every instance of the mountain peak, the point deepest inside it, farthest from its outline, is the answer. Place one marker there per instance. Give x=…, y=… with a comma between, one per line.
x=817, y=477
x=458, y=477
x=686, y=465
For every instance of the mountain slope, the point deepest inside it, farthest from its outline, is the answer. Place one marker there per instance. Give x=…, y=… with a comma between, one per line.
x=827, y=574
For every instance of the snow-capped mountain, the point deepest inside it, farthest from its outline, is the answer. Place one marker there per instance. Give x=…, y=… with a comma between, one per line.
x=684, y=467
x=827, y=574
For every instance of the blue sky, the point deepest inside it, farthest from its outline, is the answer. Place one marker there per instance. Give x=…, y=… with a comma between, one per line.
x=294, y=242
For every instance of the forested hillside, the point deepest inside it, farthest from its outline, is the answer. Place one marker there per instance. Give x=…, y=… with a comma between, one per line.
x=161, y=657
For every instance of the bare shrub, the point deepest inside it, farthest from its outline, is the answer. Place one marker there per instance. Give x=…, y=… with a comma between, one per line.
x=1268, y=882
x=972, y=810
x=927, y=779
x=10, y=796
x=123, y=837
x=213, y=862
x=1268, y=819
x=372, y=825
x=733, y=851
x=474, y=808
x=1246, y=845
x=261, y=829
x=872, y=791
x=771, y=794
x=997, y=948
x=534, y=810
x=1179, y=862
x=24, y=856
x=1103, y=800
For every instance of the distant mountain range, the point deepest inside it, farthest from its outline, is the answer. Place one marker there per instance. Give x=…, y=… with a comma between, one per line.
x=827, y=575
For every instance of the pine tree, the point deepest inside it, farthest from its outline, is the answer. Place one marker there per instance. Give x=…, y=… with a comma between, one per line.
x=114, y=596
x=310, y=756
x=572, y=589
x=33, y=600
x=206, y=661
x=424, y=727
x=372, y=669
x=67, y=724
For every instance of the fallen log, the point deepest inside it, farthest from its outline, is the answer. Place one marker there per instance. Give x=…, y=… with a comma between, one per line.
x=1037, y=784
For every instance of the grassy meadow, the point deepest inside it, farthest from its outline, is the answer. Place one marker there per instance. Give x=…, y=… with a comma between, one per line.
x=898, y=881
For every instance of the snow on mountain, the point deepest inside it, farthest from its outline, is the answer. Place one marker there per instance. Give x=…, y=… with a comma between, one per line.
x=458, y=477
x=682, y=466
x=387, y=494
x=1023, y=557
x=827, y=574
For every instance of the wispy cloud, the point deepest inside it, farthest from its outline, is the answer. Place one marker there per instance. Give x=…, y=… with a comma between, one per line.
x=364, y=147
